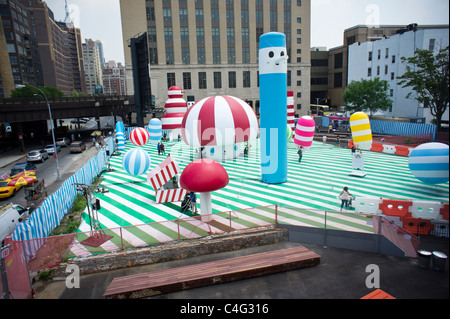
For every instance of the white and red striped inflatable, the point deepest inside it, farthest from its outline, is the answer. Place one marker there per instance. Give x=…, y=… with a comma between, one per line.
x=139, y=136
x=290, y=110
x=304, y=132
x=219, y=120
x=175, y=108
x=159, y=176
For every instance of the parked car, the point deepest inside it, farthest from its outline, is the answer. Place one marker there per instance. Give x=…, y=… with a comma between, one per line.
x=10, y=216
x=51, y=148
x=37, y=155
x=20, y=167
x=77, y=147
x=62, y=141
x=8, y=191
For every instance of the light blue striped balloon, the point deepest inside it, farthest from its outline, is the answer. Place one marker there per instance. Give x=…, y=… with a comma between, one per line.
x=136, y=161
x=429, y=163
x=155, y=130
x=120, y=127
x=120, y=136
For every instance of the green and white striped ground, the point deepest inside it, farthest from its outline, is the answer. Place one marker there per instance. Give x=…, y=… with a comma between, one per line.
x=312, y=187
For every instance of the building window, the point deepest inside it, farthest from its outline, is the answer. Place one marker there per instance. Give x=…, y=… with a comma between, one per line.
x=167, y=14
x=245, y=55
x=338, y=60
x=391, y=92
x=392, y=75
x=215, y=32
x=169, y=55
x=168, y=35
x=201, y=55
x=232, y=79
x=369, y=72
x=170, y=80
x=200, y=35
x=393, y=59
x=199, y=15
x=338, y=80
x=246, y=76
x=186, y=55
x=183, y=15
x=184, y=31
x=378, y=70
x=187, y=80
x=386, y=69
x=370, y=56
x=216, y=55
x=231, y=55
x=230, y=35
x=387, y=53
x=202, y=80
x=217, y=80
x=431, y=44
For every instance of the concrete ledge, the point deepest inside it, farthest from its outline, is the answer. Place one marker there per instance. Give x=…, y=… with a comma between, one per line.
x=176, y=250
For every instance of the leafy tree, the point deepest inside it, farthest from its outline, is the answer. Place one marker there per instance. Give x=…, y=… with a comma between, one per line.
x=368, y=95
x=428, y=75
x=31, y=92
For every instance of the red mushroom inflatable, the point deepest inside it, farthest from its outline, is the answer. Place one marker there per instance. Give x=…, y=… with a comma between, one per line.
x=204, y=176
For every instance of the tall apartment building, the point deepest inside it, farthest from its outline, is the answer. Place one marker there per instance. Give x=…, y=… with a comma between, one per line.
x=210, y=47
x=19, y=57
x=338, y=56
x=382, y=59
x=92, y=65
x=59, y=49
x=114, y=80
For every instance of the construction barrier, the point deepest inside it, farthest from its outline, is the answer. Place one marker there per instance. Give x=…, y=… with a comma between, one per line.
x=391, y=207
x=402, y=151
x=426, y=209
x=389, y=149
x=377, y=147
x=444, y=212
x=367, y=205
x=416, y=226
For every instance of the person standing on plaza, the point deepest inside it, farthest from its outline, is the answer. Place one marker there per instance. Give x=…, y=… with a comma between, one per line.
x=193, y=202
x=324, y=140
x=159, y=148
x=300, y=154
x=344, y=196
x=338, y=141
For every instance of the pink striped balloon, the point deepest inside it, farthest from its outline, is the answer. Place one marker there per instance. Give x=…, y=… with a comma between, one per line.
x=304, y=132
x=219, y=120
x=139, y=136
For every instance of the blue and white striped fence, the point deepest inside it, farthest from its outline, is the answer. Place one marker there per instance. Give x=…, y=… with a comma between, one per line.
x=402, y=128
x=49, y=215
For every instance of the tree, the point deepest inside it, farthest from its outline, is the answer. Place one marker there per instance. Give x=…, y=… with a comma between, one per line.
x=428, y=75
x=368, y=95
x=31, y=92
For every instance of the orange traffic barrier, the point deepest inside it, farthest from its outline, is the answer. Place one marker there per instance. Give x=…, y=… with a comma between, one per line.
x=444, y=211
x=393, y=207
x=378, y=294
x=350, y=144
x=402, y=151
x=377, y=147
x=417, y=226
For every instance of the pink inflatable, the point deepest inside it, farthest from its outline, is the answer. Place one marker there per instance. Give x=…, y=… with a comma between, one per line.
x=304, y=132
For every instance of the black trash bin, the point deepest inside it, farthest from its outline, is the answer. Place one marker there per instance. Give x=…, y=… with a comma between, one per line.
x=424, y=258
x=439, y=260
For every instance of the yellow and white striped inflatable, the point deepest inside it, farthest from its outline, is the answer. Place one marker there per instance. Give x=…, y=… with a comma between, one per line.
x=361, y=132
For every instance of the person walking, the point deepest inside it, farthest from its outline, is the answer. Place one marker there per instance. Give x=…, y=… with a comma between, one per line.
x=193, y=202
x=159, y=149
x=163, y=150
x=344, y=196
x=300, y=154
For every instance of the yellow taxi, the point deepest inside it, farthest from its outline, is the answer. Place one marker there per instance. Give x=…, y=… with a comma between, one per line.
x=15, y=183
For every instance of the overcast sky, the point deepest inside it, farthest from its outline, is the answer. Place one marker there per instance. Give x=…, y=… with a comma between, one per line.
x=100, y=19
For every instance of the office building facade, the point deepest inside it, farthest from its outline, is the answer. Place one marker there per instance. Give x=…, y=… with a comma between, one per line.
x=210, y=47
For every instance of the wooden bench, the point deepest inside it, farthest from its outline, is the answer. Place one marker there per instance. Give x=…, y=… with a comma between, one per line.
x=210, y=273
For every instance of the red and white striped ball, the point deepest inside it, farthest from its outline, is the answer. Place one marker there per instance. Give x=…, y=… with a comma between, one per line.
x=139, y=136
x=219, y=120
x=304, y=132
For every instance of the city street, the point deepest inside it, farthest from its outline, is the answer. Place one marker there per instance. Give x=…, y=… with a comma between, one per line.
x=69, y=163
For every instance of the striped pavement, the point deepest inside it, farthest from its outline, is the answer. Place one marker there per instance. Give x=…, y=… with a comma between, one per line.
x=312, y=187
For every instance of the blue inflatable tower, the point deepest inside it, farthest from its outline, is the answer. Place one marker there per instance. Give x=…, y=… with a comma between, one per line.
x=273, y=107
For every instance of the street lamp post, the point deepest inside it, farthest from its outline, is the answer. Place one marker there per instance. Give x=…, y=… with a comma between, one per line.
x=58, y=178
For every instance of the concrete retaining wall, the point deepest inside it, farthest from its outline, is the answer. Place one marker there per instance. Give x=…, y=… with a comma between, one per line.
x=176, y=250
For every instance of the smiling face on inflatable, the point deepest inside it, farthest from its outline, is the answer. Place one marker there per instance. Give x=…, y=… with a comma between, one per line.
x=273, y=60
